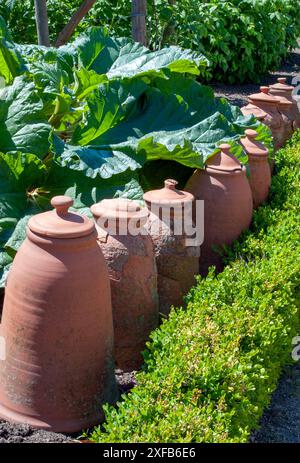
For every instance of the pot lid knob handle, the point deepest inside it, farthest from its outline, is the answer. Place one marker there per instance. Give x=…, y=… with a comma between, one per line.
x=171, y=184
x=61, y=204
x=225, y=147
x=250, y=133
x=281, y=80
x=264, y=89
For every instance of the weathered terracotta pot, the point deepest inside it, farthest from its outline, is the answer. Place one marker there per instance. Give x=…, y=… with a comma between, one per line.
x=228, y=203
x=281, y=89
x=133, y=277
x=269, y=104
x=177, y=259
x=57, y=325
x=260, y=172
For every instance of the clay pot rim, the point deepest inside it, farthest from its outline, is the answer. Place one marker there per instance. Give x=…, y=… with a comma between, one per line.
x=256, y=99
x=258, y=156
x=283, y=101
x=259, y=113
x=60, y=241
x=217, y=170
x=282, y=86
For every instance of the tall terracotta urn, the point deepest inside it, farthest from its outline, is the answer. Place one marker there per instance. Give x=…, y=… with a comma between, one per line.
x=58, y=370
x=282, y=89
x=176, y=248
x=269, y=104
x=260, y=172
x=128, y=250
x=228, y=204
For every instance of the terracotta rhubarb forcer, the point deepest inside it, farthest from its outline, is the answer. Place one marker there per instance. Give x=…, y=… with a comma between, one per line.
x=260, y=172
x=269, y=104
x=132, y=271
x=282, y=90
x=57, y=325
x=177, y=260
x=228, y=203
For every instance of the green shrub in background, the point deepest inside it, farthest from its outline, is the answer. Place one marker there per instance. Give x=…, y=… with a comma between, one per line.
x=243, y=39
x=210, y=369
x=20, y=17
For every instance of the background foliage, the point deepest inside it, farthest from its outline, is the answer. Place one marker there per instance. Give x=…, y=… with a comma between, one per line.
x=243, y=39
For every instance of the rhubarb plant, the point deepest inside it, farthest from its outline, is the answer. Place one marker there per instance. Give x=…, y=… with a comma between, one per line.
x=92, y=118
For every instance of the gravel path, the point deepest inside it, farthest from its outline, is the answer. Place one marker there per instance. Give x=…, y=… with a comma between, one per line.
x=237, y=94
x=281, y=422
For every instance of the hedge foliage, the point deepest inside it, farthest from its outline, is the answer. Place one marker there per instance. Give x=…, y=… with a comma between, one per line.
x=243, y=39
x=211, y=368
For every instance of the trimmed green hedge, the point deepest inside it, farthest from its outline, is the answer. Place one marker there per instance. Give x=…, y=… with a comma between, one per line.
x=210, y=369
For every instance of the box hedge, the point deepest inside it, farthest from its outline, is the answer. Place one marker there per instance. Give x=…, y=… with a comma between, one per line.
x=211, y=368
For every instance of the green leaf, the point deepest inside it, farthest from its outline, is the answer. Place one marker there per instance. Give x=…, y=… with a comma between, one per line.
x=108, y=105
x=182, y=123
x=120, y=57
x=11, y=63
x=87, y=81
x=23, y=126
x=101, y=161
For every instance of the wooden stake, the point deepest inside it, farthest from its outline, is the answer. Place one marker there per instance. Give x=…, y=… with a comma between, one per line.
x=68, y=30
x=139, y=12
x=41, y=19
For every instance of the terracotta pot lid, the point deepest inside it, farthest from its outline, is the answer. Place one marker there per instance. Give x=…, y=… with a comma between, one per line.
x=251, y=145
x=282, y=101
x=252, y=109
x=119, y=209
x=168, y=195
x=224, y=161
x=263, y=96
x=60, y=223
x=281, y=85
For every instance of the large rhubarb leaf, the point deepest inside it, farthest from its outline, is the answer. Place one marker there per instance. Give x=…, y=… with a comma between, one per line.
x=11, y=63
x=23, y=126
x=121, y=57
x=27, y=184
x=186, y=125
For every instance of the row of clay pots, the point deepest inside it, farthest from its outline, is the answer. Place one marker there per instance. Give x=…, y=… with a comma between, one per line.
x=275, y=107
x=228, y=196
x=78, y=299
